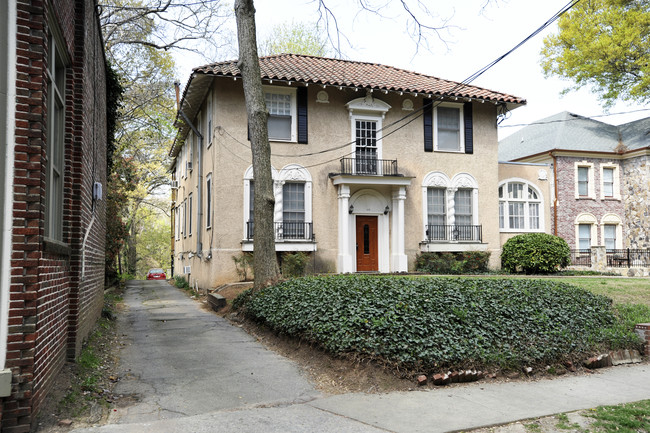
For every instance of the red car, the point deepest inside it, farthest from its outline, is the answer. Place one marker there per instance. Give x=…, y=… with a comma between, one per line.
x=156, y=274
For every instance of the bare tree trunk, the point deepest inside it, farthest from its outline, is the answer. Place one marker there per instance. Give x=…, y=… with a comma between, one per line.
x=265, y=265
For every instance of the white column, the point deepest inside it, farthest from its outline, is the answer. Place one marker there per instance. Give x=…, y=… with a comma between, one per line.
x=344, y=262
x=451, y=206
x=399, y=261
x=279, y=205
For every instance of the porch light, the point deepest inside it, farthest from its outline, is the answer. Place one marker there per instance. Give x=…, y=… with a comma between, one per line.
x=351, y=209
x=386, y=210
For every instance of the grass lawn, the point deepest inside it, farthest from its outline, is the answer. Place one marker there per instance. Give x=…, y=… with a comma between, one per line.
x=621, y=290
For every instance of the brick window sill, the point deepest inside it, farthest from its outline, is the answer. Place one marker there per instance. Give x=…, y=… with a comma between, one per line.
x=56, y=247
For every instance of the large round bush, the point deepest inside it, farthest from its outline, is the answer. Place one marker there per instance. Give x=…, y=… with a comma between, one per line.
x=535, y=253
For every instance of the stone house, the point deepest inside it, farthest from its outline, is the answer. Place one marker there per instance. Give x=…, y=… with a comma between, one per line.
x=371, y=165
x=599, y=175
x=53, y=166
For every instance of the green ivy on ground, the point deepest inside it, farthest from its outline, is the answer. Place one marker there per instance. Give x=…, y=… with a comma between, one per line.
x=426, y=323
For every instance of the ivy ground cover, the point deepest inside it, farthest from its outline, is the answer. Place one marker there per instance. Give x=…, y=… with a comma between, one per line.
x=428, y=323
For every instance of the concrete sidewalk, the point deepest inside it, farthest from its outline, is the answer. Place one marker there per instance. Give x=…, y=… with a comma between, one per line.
x=295, y=407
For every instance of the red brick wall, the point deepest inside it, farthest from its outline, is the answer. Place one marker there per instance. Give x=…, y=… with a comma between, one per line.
x=570, y=207
x=51, y=309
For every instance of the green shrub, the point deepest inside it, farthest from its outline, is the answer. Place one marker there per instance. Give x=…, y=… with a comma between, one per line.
x=431, y=323
x=293, y=264
x=467, y=262
x=244, y=265
x=181, y=282
x=535, y=253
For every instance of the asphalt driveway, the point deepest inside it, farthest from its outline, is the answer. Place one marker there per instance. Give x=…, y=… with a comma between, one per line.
x=181, y=360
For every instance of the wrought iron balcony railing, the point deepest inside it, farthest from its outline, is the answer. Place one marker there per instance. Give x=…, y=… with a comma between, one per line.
x=287, y=230
x=456, y=233
x=369, y=166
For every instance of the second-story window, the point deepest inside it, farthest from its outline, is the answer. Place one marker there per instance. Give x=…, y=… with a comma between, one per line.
x=583, y=181
x=281, y=106
x=608, y=182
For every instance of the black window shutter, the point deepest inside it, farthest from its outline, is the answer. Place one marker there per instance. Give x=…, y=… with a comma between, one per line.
x=469, y=129
x=427, y=117
x=302, y=114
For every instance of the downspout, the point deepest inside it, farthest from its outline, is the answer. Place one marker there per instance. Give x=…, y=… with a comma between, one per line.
x=83, y=245
x=554, y=192
x=199, y=190
x=8, y=10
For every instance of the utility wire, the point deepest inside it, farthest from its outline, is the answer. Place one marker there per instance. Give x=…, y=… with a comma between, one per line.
x=579, y=117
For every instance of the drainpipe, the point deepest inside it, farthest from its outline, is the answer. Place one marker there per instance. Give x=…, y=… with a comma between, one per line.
x=199, y=203
x=555, y=192
x=8, y=10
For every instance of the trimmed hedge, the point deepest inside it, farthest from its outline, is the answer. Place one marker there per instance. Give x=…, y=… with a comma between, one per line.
x=428, y=323
x=535, y=253
x=467, y=262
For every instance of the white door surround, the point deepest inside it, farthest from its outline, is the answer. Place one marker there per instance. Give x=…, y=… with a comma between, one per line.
x=366, y=201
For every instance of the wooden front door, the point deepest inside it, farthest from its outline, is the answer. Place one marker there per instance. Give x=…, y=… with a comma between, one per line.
x=367, y=244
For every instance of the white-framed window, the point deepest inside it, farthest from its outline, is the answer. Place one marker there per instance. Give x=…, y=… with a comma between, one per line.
x=585, y=231
x=208, y=200
x=609, y=235
x=190, y=156
x=612, y=231
x=293, y=210
x=584, y=180
x=281, y=103
x=450, y=207
x=56, y=76
x=609, y=181
x=436, y=212
x=177, y=229
x=189, y=215
x=184, y=218
x=367, y=139
x=293, y=202
x=520, y=206
x=448, y=128
x=584, y=236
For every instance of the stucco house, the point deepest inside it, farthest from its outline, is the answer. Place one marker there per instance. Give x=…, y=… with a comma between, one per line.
x=371, y=164
x=600, y=177
x=53, y=164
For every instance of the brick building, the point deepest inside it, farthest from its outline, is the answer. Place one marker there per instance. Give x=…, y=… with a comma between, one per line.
x=53, y=166
x=600, y=177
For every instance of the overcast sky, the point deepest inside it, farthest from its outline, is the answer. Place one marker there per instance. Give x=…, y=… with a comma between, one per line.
x=477, y=35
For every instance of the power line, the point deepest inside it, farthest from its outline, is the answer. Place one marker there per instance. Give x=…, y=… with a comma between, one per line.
x=578, y=117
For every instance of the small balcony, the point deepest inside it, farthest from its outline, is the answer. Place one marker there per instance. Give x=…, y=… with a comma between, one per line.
x=368, y=166
x=287, y=231
x=454, y=233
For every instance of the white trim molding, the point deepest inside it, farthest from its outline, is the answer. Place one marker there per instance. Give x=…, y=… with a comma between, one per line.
x=591, y=190
x=589, y=219
x=612, y=219
x=616, y=181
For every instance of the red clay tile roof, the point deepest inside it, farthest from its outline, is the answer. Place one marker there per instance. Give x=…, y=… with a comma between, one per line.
x=336, y=72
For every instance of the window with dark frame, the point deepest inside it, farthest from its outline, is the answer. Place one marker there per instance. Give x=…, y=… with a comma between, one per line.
x=208, y=204
x=56, y=76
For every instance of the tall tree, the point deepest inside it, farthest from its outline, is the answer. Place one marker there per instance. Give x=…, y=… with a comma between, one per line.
x=265, y=263
x=296, y=38
x=139, y=35
x=265, y=266
x=604, y=45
